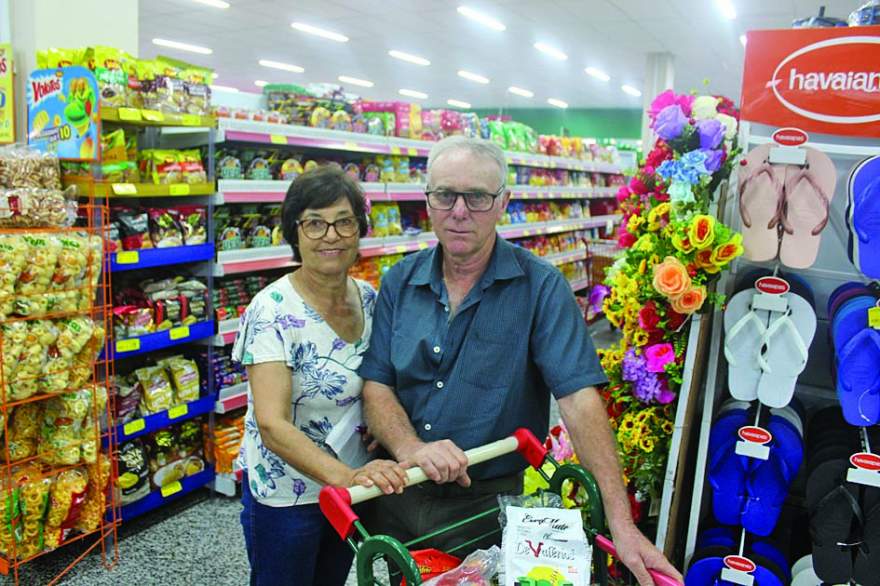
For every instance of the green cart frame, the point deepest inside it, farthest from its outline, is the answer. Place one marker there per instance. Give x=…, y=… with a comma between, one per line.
x=336, y=504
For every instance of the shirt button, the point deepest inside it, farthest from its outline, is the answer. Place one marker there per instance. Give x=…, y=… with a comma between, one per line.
x=436, y=349
x=439, y=384
x=446, y=309
x=427, y=427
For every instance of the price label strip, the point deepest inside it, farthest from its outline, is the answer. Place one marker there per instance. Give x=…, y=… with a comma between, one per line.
x=130, y=114
x=178, y=333
x=172, y=488
x=133, y=427
x=124, y=188
x=128, y=345
x=178, y=411
x=128, y=257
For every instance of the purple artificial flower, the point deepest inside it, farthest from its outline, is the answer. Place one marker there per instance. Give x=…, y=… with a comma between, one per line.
x=713, y=159
x=648, y=387
x=670, y=122
x=597, y=297
x=711, y=133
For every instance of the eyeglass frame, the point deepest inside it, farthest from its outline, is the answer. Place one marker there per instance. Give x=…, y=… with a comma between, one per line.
x=327, y=225
x=462, y=194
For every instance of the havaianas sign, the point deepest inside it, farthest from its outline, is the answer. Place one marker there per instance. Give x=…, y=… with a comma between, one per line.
x=820, y=80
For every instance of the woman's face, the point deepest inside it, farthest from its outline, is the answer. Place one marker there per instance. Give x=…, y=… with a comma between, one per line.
x=333, y=253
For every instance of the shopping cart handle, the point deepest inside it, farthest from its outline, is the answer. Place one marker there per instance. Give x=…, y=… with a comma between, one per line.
x=336, y=501
x=660, y=579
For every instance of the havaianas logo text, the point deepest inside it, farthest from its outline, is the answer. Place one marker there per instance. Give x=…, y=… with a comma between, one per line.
x=814, y=81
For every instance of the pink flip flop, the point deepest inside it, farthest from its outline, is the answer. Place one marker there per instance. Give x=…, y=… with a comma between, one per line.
x=760, y=204
x=808, y=194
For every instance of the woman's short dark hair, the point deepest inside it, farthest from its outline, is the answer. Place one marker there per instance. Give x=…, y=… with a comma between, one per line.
x=317, y=189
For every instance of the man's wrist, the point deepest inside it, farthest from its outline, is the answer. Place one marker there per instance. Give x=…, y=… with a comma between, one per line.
x=406, y=448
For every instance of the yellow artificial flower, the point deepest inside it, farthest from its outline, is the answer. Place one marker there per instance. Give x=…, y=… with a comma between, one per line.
x=644, y=244
x=647, y=445
x=635, y=222
x=666, y=426
x=724, y=253
x=643, y=267
x=640, y=338
x=701, y=232
x=656, y=215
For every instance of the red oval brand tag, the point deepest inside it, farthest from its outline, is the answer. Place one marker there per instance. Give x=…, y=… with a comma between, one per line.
x=740, y=564
x=790, y=137
x=755, y=435
x=865, y=461
x=772, y=285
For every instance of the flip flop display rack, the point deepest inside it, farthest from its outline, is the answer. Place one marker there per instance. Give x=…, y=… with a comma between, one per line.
x=787, y=484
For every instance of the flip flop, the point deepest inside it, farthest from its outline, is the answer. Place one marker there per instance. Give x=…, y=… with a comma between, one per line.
x=802, y=564
x=858, y=378
x=760, y=204
x=723, y=434
x=744, y=329
x=834, y=508
x=792, y=416
x=866, y=570
x=786, y=350
x=846, y=288
x=806, y=577
x=716, y=536
x=808, y=194
x=706, y=565
x=769, y=481
x=863, y=216
x=769, y=551
x=728, y=481
x=788, y=443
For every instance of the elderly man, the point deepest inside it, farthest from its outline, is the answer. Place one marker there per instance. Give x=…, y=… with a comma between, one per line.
x=469, y=340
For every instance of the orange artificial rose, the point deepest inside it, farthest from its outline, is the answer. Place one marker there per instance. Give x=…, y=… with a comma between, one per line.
x=671, y=277
x=689, y=301
x=724, y=253
x=703, y=260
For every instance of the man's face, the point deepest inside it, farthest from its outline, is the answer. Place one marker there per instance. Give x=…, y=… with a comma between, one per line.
x=462, y=232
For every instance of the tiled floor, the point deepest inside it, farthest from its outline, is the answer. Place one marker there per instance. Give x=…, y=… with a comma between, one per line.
x=196, y=541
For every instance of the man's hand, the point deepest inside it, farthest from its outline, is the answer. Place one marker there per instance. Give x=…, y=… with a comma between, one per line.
x=638, y=554
x=442, y=461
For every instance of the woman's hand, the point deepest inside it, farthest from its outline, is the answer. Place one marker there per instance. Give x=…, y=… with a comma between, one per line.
x=387, y=475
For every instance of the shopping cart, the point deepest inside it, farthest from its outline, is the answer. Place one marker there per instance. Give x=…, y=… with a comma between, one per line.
x=336, y=504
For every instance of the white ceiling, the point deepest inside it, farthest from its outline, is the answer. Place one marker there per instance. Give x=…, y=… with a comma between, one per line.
x=613, y=35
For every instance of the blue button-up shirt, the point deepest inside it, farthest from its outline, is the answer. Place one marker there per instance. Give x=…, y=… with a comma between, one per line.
x=476, y=376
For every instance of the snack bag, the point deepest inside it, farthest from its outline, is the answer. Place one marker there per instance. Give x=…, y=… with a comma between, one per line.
x=165, y=230
x=12, y=261
x=191, y=167
x=111, y=75
x=290, y=170
x=158, y=394
x=113, y=148
x=95, y=503
x=433, y=562
x=395, y=228
x=65, y=503
x=23, y=431
x=185, y=378
x=197, y=82
x=34, y=280
x=10, y=514
x=193, y=222
x=229, y=167
x=33, y=501
x=133, y=481
x=477, y=569
x=546, y=544
x=90, y=432
x=61, y=431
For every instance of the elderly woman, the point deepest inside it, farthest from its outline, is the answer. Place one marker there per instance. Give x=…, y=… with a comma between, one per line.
x=302, y=339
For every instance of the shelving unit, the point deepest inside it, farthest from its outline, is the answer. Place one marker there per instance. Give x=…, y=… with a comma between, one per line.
x=156, y=421
x=133, y=260
x=167, y=493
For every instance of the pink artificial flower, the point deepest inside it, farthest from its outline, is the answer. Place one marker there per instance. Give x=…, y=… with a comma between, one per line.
x=668, y=98
x=637, y=186
x=626, y=240
x=623, y=193
x=658, y=356
x=665, y=396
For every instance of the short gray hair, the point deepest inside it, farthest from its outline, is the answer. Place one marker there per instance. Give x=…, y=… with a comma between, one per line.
x=474, y=146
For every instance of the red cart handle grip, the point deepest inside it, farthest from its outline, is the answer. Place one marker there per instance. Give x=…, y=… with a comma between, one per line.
x=335, y=502
x=660, y=579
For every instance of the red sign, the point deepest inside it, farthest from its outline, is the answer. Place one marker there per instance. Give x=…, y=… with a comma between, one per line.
x=740, y=564
x=772, y=285
x=790, y=137
x=865, y=461
x=823, y=80
x=755, y=435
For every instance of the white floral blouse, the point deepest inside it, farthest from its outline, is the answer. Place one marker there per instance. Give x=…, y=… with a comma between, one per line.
x=279, y=325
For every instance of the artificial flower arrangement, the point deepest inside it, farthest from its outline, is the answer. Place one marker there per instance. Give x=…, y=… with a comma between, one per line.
x=673, y=250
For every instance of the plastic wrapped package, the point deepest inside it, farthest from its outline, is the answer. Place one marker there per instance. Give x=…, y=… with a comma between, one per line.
x=61, y=434
x=12, y=261
x=156, y=389
x=23, y=431
x=33, y=359
x=14, y=338
x=184, y=377
x=91, y=433
x=81, y=367
x=33, y=490
x=10, y=513
x=65, y=503
x=133, y=480
x=477, y=569
x=21, y=166
x=33, y=282
x=95, y=503
x=37, y=207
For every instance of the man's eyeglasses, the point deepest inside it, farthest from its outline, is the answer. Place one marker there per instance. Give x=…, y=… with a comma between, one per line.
x=476, y=201
x=317, y=229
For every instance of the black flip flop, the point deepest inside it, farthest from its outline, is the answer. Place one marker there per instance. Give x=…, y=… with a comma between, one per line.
x=836, y=520
x=866, y=570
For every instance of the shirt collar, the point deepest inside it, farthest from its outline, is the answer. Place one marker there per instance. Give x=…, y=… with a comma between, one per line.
x=503, y=264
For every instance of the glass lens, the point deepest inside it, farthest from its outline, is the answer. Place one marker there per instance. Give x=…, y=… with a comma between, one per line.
x=479, y=201
x=314, y=228
x=442, y=200
x=346, y=227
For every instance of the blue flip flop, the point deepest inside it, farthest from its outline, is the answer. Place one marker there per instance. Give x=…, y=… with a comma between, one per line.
x=724, y=432
x=863, y=216
x=728, y=481
x=850, y=319
x=858, y=378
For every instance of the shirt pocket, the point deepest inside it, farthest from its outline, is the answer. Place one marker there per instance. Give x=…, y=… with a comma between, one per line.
x=488, y=363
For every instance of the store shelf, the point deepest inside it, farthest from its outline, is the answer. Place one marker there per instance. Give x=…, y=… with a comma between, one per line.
x=555, y=226
x=396, y=244
x=579, y=284
x=143, y=117
x=226, y=331
x=132, y=260
x=230, y=398
x=565, y=257
x=130, y=190
x=128, y=347
x=321, y=138
x=156, y=421
x=167, y=493
x=230, y=262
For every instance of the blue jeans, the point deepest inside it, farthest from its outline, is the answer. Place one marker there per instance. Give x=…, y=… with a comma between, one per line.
x=292, y=545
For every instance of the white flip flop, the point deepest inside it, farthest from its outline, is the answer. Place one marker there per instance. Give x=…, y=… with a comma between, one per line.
x=785, y=350
x=744, y=329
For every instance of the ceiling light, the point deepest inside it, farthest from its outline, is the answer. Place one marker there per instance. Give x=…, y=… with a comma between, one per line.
x=214, y=3
x=319, y=32
x=481, y=18
x=597, y=73
x=224, y=88
x=182, y=46
x=413, y=94
x=743, y=40
x=261, y=83
x=557, y=103
x=458, y=104
x=628, y=89
x=282, y=66
x=520, y=92
x=355, y=81
x=726, y=8
x=472, y=76
x=552, y=51
x=408, y=57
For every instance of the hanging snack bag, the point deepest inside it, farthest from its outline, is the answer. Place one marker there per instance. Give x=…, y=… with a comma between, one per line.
x=545, y=544
x=12, y=261
x=65, y=503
